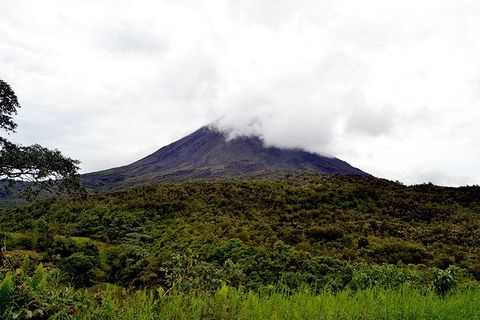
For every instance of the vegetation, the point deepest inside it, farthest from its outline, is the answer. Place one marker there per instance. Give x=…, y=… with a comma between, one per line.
x=299, y=247
x=34, y=164
x=373, y=303
x=35, y=293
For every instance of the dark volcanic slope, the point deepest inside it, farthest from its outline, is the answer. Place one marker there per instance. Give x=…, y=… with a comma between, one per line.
x=207, y=153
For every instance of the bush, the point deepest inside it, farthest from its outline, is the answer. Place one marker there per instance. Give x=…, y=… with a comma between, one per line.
x=81, y=269
x=397, y=251
x=63, y=246
x=325, y=233
x=445, y=280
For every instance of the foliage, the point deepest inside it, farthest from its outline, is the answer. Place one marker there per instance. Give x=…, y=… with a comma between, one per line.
x=31, y=163
x=36, y=295
x=269, y=230
x=274, y=303
x=33, y=293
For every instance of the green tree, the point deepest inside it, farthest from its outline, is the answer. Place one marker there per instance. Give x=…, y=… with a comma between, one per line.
x=81, y=269
x=34, y=164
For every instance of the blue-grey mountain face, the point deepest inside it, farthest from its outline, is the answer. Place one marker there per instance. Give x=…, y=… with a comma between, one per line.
x=207, y=153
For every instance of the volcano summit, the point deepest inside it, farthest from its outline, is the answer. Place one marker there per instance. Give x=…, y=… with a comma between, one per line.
x=209, y=153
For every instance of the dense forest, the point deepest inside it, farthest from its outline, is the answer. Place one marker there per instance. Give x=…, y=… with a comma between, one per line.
x=306, y=230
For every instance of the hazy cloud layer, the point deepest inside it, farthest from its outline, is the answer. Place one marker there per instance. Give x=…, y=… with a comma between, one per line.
x=391, y=87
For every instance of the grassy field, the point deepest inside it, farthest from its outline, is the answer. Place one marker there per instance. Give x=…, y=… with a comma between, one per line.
x=228, y=303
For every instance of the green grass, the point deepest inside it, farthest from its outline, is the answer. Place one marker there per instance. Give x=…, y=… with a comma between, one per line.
x=15, y=235
x=228, y=303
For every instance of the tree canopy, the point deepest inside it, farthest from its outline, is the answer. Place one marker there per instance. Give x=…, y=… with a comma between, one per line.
x=34, y=164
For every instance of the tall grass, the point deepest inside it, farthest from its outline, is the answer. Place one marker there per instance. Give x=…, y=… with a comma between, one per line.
x=228, y=303
x=41, y=295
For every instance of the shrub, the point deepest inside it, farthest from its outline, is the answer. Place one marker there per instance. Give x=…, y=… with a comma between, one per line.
x=63, y=246
x=325, y=233
x=81, y=269
x=398, y=251
x=445, y=280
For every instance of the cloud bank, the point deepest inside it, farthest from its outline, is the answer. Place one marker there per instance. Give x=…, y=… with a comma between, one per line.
x=391, y=87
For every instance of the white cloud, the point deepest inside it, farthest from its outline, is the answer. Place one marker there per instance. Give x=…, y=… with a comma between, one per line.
x=391, y=87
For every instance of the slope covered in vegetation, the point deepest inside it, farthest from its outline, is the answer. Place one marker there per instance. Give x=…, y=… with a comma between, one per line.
x=305, y=229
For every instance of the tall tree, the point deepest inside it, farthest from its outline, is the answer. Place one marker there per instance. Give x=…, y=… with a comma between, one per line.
x=34, y=164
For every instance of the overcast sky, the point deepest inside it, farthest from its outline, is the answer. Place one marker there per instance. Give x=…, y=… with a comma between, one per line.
x=392, y=87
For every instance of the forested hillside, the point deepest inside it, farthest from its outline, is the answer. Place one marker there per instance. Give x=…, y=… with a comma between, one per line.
x=304, y=229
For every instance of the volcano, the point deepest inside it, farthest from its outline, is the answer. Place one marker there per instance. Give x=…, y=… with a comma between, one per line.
x=210, y=153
